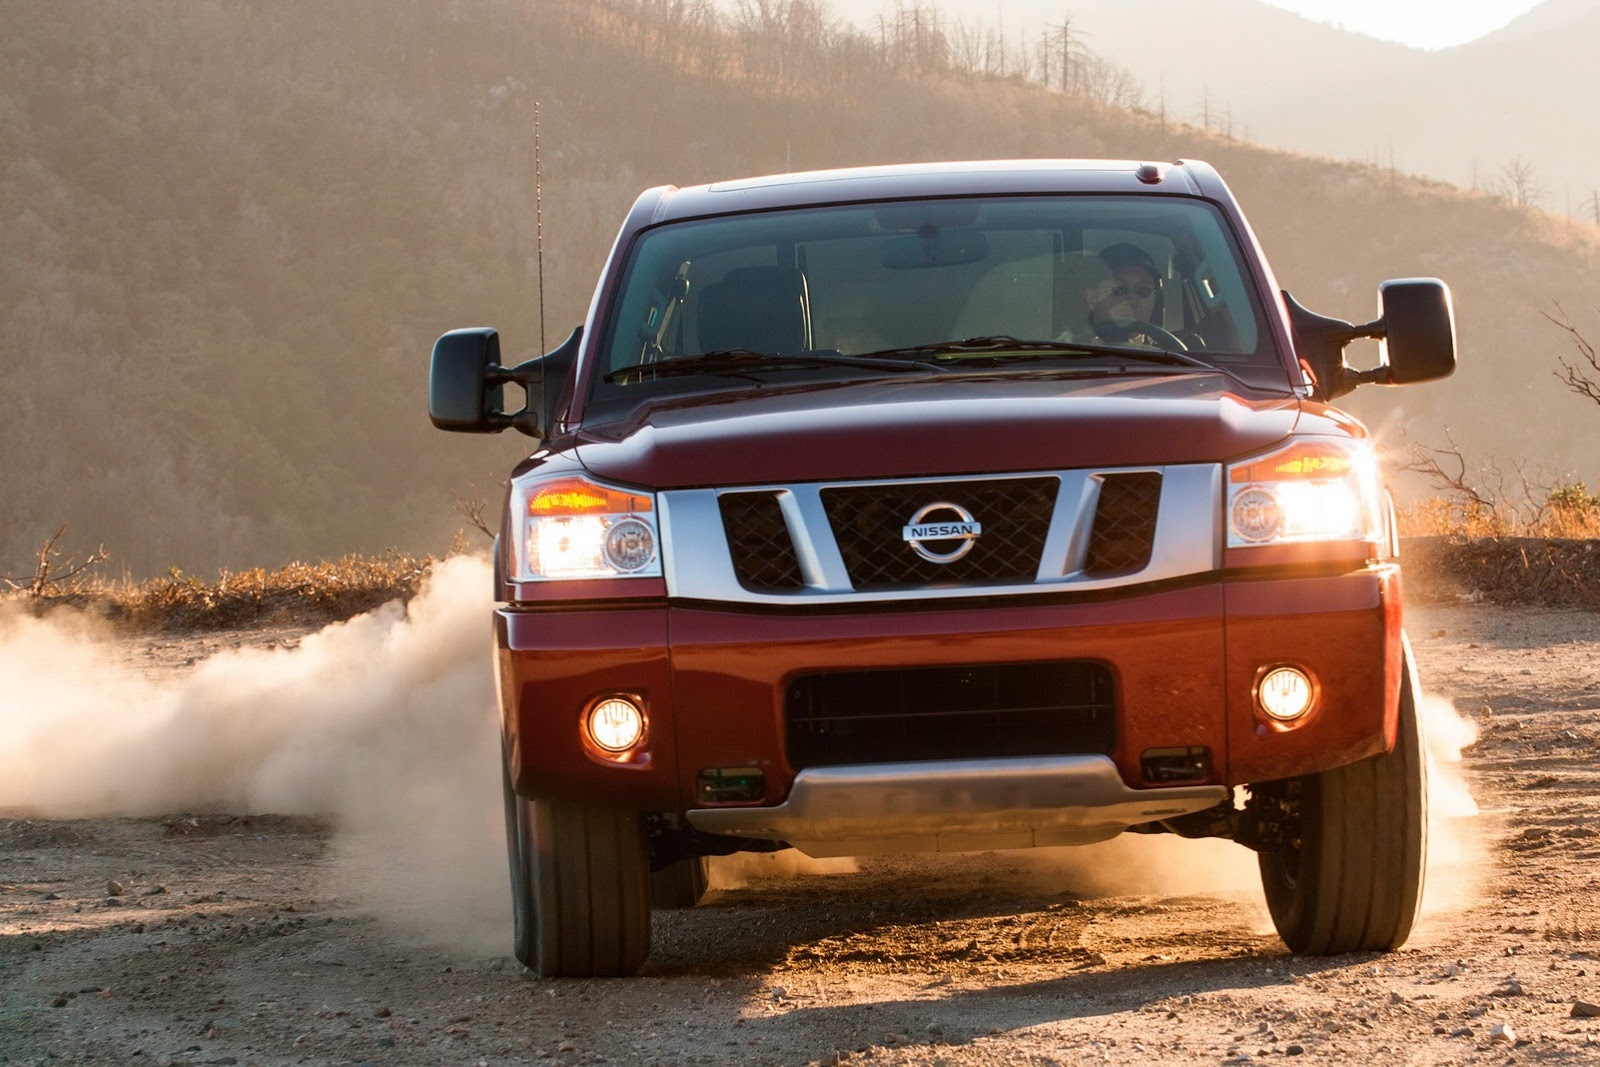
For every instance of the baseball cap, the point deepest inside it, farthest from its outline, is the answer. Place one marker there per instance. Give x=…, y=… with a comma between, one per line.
x=1124, y=254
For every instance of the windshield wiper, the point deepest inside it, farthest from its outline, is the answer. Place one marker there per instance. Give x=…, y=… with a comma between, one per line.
x=999, y=347
x=742, y=361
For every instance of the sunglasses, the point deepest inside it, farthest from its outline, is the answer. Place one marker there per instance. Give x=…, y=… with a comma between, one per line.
x=1143, y=292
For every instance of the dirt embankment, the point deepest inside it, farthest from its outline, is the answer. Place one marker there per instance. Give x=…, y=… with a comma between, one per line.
x=218, y=939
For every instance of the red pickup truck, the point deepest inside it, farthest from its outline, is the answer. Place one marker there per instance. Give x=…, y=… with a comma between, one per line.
x=948, y=507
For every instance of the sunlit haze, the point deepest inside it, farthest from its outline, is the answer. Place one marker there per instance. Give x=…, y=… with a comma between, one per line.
x=1428, y=24
x=1419, y=23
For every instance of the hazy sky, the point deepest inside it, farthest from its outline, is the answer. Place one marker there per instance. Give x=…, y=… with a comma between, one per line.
x=1420, y=23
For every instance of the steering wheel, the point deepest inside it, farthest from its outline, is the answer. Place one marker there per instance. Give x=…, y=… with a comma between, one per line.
x=1118, y=331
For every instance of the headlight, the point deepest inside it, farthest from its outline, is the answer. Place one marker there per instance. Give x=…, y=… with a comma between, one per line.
x=574, y=528
x=1313, y=490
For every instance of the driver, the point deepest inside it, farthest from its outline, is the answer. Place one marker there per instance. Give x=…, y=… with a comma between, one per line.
x=1125, y=296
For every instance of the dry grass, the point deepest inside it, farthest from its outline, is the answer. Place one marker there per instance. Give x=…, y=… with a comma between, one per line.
x=1543, y=551
x=1567, y=513
x=1533, y=571
x=307, y=594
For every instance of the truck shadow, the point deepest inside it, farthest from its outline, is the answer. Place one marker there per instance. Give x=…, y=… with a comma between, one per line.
x=961, y=1015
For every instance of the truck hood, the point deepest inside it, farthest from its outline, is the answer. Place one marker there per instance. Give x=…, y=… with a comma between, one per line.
x=900, y=428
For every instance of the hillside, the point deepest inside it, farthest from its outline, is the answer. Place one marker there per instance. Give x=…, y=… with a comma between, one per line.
x=1510, y=99
x=233, y=229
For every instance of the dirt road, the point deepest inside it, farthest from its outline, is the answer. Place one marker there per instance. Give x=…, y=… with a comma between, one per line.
x=216, y=939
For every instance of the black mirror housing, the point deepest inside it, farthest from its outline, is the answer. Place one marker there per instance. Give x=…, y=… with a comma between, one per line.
x=1416, y=338
x=545, y=379
x=464, y=396
x=1419, y=330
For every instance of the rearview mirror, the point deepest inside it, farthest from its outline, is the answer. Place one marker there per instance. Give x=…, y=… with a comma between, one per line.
x=934, y=248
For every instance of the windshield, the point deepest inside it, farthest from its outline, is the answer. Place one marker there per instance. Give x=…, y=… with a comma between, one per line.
x=1041, y=282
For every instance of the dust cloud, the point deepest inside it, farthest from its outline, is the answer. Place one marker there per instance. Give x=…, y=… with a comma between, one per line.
x=1458, y=855
x=1166, y=865
x=385, y=723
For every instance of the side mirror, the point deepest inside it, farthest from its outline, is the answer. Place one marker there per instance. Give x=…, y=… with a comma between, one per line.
x=466, y=383
x=1416, y=334
x=463, y=395
x=1419, y=330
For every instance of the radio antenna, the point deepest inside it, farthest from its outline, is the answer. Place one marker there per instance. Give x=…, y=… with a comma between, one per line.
x=538, y=221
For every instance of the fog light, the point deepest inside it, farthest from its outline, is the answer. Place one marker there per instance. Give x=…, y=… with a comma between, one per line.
x=616, y=724
x=1285, y=693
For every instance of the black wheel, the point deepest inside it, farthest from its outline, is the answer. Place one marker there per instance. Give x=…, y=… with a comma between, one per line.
x=580, y=887
x=1350, y=877
x=681, y=884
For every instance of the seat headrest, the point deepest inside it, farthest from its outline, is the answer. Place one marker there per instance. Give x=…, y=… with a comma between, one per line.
x=765, y=309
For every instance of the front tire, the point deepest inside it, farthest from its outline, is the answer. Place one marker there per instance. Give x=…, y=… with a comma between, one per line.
x=1349, y=878
x=580, y=887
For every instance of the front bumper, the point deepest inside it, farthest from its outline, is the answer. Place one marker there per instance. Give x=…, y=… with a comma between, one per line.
x=1185, y=661
x=956, y=806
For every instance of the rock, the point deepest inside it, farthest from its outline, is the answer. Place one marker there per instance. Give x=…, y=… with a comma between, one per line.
x=59, y=1002
x=1582, y=1009
x=1512, y=988
x=114, y=888
x=1502, y=1034
x=1395, y=997
x=51, y=896
x=1461, y=1031
x=383, y=1013
x=1477, y=1012
x=155, y=891
x=1294, y=1050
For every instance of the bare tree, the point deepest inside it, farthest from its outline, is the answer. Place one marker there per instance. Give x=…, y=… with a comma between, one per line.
x=1519, y=184
x=1583, y=375
x=48, y=574
x=471, y=508
x=1490, y=498
x=1446, y=471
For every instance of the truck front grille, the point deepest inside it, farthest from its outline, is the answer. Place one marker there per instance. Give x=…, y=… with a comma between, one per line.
x=763, y=553
x=991, y=711
x=1124, y=523
x=868, y=521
